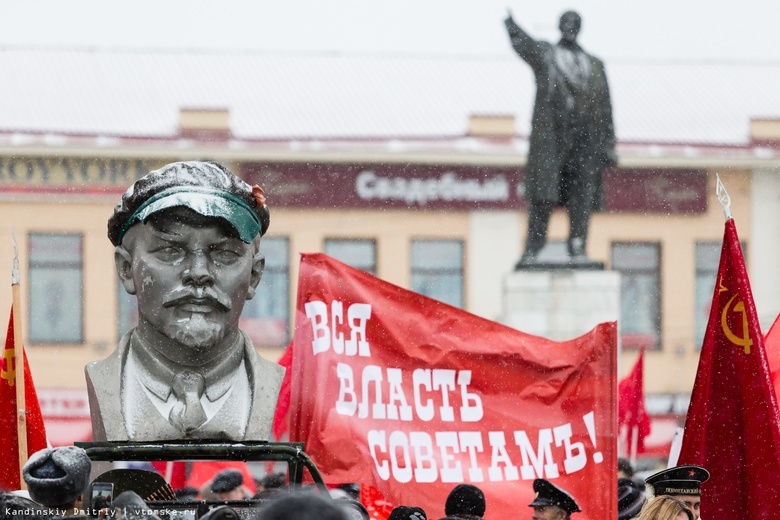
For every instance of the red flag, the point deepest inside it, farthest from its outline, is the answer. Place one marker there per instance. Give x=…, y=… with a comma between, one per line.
x=733, y=425
x=632, y=414
x=281, y=424
x=411, y=396
x=36, y=431
x=772, y=347
x=174, y=472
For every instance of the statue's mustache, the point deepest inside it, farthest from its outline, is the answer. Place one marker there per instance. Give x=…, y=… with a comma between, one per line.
x=206, y=298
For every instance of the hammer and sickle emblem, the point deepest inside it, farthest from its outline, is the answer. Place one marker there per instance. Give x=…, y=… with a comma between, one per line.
x=745, y=342
x=9, y=373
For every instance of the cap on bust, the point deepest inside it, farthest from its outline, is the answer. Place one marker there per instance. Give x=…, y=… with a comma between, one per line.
x=208, y=188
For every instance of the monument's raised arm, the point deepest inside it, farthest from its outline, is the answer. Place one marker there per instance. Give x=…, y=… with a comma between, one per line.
x=572, y=136
x=187, y=240
x=525, y=46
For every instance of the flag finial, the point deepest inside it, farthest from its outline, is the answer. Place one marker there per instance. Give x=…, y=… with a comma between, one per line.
x=16, y=278
x=723, y=197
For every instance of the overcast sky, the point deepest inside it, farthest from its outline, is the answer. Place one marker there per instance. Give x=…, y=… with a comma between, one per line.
x=743, y=30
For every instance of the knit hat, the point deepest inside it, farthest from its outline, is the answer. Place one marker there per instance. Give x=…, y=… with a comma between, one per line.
x=630, y=499
x=465, y=499
x=407, y=513
x=58, y=476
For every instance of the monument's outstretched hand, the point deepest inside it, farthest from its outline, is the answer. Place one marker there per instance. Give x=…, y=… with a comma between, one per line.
x=510, y=23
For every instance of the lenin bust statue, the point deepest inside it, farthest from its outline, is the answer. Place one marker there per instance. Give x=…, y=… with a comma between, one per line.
x=186, y=240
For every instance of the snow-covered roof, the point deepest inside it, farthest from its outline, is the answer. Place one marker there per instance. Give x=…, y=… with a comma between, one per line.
x=139, y=94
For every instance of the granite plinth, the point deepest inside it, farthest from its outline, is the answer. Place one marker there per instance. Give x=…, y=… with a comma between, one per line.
x=560, y=303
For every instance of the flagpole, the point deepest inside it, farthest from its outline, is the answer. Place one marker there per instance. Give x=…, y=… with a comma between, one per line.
x=723, y=197
x=21, y=425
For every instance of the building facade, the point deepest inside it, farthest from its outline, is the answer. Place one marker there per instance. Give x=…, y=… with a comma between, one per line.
x=443, y=215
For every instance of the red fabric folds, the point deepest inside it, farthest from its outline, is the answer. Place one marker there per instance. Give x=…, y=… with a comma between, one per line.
x=281, y=424
x=409, y=396
x=632, y=415
x=733, y=427
x=772, y=347
x=36, y=431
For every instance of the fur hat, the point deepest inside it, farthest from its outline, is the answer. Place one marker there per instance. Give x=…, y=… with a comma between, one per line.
x=227, y=480
x=13, y=506
x=630, y=499
x=465, y=499
x=57, y=477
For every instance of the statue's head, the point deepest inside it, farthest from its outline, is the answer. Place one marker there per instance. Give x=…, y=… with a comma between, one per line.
x=187, y=242
x=570, y=26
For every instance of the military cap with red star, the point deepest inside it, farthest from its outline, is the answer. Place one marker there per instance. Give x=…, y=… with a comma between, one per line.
x=679, y=480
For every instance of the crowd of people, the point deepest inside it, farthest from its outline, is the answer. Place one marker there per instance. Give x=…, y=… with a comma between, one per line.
x=57, y=481
x=58, y=487
x=675, y=495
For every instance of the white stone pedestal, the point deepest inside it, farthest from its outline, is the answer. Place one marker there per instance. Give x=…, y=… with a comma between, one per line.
x=560, y=304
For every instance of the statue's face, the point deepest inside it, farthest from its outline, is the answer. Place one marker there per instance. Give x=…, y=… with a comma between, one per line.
x=191, y=281
x=570, y=26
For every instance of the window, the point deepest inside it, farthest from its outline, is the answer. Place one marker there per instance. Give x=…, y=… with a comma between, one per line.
x=266, y=316
x=707, y=262
x=707, y=259
x=358, y=253
x=127, y=309
x=56, y=299
x=437, y=270
x=640, y=293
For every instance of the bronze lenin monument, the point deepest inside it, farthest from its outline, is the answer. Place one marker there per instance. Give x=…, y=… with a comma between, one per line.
x=186, y=240
x=572, y=136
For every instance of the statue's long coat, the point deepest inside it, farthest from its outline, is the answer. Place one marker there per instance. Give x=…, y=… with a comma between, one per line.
x=546, y=155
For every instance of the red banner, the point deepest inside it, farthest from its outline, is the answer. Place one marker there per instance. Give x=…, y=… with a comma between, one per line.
x=394, y=390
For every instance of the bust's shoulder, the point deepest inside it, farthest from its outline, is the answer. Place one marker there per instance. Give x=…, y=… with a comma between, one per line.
x=111, y=362
x=258, y=362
